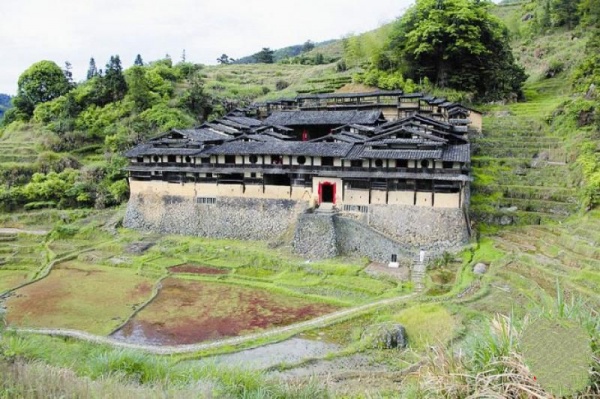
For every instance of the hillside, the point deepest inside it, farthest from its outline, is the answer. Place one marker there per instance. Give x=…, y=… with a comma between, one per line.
x=471, y=333
x=286, y=53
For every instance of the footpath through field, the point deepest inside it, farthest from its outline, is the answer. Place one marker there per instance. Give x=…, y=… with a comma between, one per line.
x=175, y=349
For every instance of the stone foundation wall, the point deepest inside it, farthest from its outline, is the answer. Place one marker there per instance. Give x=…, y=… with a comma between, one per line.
x=354, y=237
x=238, y=218
x=315, y=236
x=435, y=229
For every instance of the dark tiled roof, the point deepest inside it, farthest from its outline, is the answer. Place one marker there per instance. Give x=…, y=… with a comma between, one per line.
x=303, y=118
x=242, y=120
x=254, y=137
x=148, y=149
x=415, y=142
x=345, y=137
x=281, y=148
x=215, y=125
x=365, y=152
x=350, y=95
x=457, y=153
x=201, y=135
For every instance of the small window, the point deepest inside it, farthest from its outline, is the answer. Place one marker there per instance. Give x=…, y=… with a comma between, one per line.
x=209, y=175
x=188, y=159
x=327, y=161
x=424, y=163
x=171, y=158
x=447, y=165
x=253, y=159
x=155, y=158
x=253, y=175
x=357, y=163
x=205, y=160
x=230, y=159
x=378, y=163
x=401, y=163
x=301, y=160
x=140, y=159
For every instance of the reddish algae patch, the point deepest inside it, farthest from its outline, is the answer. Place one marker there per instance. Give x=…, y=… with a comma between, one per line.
x=186, y=312
x=194, y=269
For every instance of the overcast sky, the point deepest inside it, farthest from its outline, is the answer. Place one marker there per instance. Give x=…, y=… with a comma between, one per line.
x=75, y=30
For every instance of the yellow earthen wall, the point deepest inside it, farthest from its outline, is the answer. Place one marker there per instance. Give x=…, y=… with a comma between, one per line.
x=378, y=197
x=446, y=200
x=356, y=197
x=423, y=199
x=401, y=198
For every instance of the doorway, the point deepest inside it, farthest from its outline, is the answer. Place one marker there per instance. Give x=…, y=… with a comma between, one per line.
x=327, y=192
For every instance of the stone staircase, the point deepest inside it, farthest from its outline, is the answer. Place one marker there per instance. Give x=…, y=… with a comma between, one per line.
x=326, y=208
x=417, y=274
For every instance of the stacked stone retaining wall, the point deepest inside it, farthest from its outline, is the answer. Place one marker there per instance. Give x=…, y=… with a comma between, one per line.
x=227, y=217
x=433, y=229
x=315, y=236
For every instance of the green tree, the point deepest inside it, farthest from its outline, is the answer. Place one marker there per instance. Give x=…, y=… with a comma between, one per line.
x=139, y=88
x=457, y=44
x=92, y=70
x=195, y=100
x=224, y=59
x=41, y=82
x=138, y=61
x=114, y=80
x=307, y=46
x=265, y=56
x=565, y=13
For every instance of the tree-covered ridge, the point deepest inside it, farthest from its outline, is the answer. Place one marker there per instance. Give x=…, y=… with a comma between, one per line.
x=81, y=129
x=290, y=54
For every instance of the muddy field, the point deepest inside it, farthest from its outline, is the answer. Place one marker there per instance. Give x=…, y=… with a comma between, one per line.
x=89, y=298
x=186, y=312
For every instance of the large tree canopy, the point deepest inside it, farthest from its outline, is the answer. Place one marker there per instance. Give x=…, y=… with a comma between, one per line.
x=457, y=44
x=41, y=82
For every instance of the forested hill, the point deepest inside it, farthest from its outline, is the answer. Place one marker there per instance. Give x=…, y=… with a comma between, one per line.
x=4, y=103
x=71, y=134
x=289, y=54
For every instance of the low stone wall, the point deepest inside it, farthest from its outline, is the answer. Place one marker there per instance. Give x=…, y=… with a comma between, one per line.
x=354, y=237
x=228, y=217
x=315, y=236
x=434, y=229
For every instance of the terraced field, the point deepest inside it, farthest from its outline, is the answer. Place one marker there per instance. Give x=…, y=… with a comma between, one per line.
x=521, y=168
x=568, y=253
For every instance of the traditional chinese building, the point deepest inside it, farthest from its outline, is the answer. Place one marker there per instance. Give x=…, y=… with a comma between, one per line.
x=356, y=154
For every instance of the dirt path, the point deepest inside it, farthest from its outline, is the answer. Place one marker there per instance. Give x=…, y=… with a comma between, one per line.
x=10, y=230
x=169, y=350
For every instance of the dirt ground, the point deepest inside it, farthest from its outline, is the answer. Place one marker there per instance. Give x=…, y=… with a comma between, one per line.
x=382, y=269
